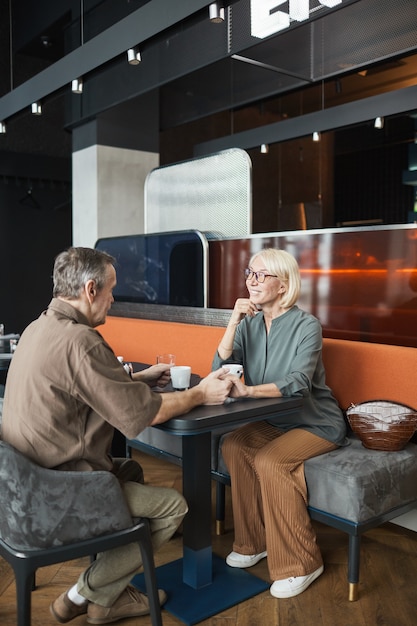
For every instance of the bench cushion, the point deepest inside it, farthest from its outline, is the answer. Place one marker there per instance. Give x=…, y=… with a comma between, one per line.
x=356, y=483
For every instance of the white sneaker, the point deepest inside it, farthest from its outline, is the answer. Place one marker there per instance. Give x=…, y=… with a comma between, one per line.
x=290, y=587
x=234, y=559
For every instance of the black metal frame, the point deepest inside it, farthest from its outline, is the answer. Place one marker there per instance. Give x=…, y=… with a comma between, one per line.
x=354, y=529
x=26, y=562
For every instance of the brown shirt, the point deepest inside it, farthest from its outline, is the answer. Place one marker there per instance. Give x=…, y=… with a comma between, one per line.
x=66, y=391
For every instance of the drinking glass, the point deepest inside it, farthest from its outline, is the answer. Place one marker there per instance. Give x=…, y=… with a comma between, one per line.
x=169, y=359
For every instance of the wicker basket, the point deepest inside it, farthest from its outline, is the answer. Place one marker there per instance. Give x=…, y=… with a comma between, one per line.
x=382, y=425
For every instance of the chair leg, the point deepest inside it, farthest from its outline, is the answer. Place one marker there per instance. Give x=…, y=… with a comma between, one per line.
x=220, y=507
x=353, y=592
x=150, y=576
x=353, y=566
x=24, y=583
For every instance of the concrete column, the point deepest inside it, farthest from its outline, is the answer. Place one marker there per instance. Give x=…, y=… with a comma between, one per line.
x=108, y=192
x=111, y=158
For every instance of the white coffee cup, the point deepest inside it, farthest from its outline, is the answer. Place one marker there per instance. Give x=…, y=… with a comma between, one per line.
x=234, y=368
x=180, y=377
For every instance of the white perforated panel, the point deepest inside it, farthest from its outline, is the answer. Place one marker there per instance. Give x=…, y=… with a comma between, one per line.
x=212, y=194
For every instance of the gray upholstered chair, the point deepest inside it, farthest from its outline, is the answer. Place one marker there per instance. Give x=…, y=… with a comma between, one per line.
x=49, y=516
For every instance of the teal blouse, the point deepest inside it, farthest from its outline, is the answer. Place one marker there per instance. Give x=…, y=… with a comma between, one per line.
x=290, y=356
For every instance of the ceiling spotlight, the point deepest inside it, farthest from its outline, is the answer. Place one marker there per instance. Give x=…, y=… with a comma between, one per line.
x=216, y=13
x=134, y=56
x=264, y=148
x=379, y=122
x=36, y=108
x=2, y=128
x=316, y=136
x=45, y=41
x=77, y=85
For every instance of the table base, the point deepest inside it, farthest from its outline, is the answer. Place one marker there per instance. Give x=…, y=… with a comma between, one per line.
x=230, y=586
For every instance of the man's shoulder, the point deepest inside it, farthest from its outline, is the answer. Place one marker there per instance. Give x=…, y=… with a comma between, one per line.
x=85, y=337
x=66, y=334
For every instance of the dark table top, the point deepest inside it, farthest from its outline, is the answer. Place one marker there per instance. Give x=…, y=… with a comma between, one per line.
x=207, y=418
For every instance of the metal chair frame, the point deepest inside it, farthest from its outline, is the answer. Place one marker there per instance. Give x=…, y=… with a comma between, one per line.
x=26, y=562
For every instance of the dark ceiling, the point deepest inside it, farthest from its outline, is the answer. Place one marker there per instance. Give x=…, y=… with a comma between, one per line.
x=200, y=69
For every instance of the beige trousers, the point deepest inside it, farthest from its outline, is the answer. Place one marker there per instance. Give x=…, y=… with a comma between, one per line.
x=108, y=576
x=269, y=496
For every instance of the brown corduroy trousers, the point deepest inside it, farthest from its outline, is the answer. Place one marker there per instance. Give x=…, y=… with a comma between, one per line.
x=269, y=496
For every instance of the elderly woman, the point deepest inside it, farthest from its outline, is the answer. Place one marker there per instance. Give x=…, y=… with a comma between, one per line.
x=280, y=347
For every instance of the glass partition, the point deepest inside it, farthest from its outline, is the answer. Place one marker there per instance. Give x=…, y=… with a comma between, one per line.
x=162, y=268
x=360, y=283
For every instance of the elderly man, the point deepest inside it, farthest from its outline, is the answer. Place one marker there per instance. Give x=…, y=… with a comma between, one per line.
x=65, y=394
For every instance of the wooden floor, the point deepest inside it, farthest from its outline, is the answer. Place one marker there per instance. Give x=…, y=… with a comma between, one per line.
x=388, y=589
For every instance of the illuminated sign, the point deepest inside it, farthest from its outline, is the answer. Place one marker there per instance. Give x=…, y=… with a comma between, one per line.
x=267, y=20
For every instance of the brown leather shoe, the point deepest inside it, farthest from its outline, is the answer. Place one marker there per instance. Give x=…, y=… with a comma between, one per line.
x=64, y=610
x=131, y=603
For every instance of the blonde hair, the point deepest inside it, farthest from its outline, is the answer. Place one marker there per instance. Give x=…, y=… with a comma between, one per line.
x=283, y=265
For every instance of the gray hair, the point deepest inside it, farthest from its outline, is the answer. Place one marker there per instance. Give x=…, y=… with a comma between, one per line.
x=75, y=267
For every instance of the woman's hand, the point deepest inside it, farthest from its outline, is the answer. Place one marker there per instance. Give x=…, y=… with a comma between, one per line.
x=238, y=389
x=155, y=376
x=244, y=306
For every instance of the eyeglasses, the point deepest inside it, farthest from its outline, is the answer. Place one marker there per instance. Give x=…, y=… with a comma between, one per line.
x=259, y=276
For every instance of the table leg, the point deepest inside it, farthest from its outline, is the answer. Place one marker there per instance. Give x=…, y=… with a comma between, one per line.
x=200, y=584
x=197, y=560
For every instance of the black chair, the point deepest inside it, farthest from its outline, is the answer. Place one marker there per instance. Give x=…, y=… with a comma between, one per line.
x=49, y=516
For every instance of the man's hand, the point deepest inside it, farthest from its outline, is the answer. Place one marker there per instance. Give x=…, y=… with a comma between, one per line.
x=215, y=387
x=155, y=376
